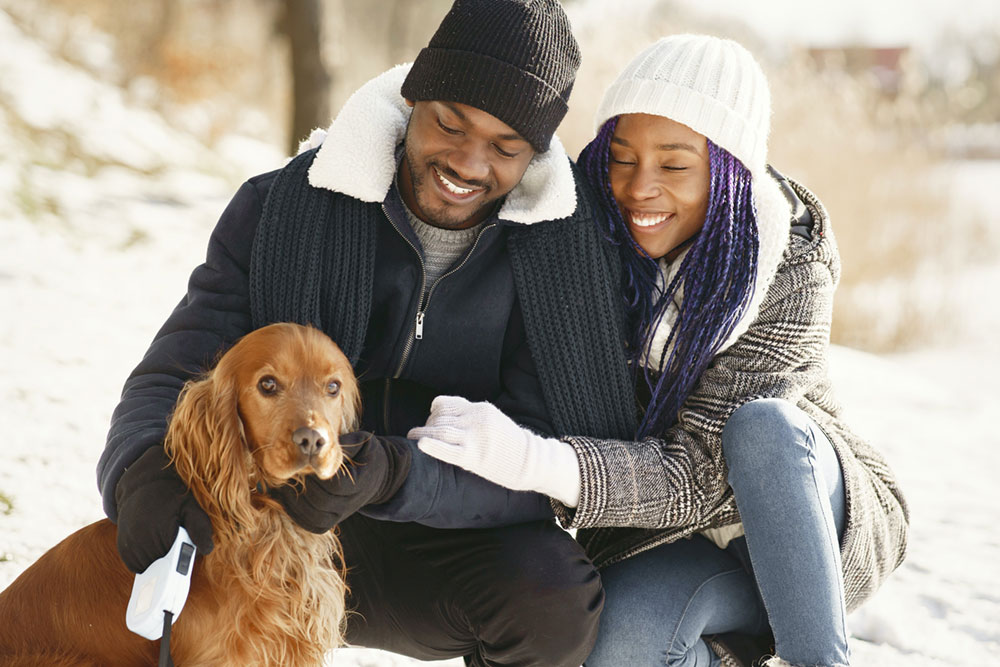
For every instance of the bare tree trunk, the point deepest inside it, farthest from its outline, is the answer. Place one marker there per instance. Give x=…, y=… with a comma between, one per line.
x=302, y=25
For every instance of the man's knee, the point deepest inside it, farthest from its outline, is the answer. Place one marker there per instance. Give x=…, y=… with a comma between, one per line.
x=562, y=621
x=545, y=604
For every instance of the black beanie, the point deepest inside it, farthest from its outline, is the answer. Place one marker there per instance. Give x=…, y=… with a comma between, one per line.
x=514, y=59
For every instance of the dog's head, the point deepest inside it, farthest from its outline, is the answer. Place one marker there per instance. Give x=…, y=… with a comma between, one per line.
x=296, y=394
x=272, y=409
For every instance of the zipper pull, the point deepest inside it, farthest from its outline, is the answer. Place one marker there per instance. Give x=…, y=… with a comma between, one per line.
x=420, y=325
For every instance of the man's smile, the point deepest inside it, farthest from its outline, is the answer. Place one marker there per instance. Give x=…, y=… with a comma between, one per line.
x=452, y=190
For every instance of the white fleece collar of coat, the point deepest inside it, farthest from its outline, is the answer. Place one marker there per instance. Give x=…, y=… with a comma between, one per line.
x=773, y=228
x=357, y=156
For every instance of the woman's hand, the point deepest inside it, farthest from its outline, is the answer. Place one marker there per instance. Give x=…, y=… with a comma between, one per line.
x=483, y=440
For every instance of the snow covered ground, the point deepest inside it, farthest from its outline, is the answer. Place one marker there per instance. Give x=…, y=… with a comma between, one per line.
x=95, y=247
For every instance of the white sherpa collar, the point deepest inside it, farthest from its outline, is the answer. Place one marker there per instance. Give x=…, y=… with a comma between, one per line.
x=357, y=156
x=773, y=228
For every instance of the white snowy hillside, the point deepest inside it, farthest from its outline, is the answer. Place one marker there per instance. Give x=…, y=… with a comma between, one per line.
x=105, y=209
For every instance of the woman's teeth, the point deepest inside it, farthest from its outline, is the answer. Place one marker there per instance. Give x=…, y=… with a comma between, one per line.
x=647, y=219
x=451, y=186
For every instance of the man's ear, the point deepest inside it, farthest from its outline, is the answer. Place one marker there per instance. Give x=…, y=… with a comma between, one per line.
x=409, y=103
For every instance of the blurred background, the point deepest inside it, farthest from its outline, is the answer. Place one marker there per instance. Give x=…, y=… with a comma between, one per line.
x=126, y=126
x=889, y=111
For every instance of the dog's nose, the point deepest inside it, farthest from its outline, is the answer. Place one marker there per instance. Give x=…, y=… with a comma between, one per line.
x=309, y=440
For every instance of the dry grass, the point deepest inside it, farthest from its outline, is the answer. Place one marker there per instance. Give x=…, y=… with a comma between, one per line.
x=901, y=240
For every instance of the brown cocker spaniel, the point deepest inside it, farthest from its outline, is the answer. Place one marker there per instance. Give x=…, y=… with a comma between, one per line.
x=270, y=593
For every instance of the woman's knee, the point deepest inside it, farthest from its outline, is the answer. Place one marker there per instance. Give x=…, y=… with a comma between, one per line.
x=763, y=433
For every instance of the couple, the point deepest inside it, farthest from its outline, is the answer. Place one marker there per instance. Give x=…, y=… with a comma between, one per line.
x=634, y=344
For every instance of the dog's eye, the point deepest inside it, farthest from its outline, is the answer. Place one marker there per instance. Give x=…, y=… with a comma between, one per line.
x=267, y=385
x=333, y=388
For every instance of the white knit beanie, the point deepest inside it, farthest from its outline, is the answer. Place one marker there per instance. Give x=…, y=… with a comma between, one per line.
x=715, y=87
x=712, y=85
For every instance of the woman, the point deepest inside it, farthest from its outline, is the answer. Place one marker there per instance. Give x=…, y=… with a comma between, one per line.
x=791, y=519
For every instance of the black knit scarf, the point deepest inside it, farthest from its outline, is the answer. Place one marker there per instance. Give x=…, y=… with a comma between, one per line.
x=313, y=261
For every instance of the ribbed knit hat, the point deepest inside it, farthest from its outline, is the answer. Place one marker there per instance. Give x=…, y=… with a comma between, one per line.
x=712, y=85
x=514, y=59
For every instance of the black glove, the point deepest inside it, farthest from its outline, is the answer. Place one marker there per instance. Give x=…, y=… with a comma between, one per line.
x=374, y=469
x=153, y=502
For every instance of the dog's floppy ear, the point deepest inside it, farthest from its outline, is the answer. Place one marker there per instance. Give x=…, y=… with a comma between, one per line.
x=350, y=418
x=208, y=446
x=350, y=390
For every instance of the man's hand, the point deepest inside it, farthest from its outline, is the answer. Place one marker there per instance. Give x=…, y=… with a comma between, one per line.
x=374, y=469
x=153, y=502
x=481, y=439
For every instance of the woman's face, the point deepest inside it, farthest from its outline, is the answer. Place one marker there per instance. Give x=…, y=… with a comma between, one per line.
x=660, y=177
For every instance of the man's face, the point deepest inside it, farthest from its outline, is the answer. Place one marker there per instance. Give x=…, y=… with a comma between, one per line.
x=458, y=162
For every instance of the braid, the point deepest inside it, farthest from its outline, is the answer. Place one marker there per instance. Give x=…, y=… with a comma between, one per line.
x=639, y=270
x=717, y=272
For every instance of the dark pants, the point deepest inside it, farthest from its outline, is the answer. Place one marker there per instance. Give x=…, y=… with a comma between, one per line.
x=518, y=595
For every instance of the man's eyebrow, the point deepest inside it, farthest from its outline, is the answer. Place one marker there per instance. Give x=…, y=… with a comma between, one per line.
x=511, y=136
x=678, y=146
x=455, y=110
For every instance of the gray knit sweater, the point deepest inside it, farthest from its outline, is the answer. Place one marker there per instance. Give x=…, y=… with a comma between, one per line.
x=442, y=247
x=637, y=495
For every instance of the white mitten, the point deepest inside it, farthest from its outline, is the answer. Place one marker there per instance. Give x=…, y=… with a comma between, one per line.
x=483, y=440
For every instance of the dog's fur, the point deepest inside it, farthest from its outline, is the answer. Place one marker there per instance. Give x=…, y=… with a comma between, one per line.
x=270, y=593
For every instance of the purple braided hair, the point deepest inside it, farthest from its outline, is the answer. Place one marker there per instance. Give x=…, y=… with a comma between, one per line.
x=718, y=274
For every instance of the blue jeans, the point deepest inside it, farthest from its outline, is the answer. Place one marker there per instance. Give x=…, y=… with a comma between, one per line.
x=784, y=574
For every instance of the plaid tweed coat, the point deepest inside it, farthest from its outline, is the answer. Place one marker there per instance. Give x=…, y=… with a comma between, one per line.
x=638, y=495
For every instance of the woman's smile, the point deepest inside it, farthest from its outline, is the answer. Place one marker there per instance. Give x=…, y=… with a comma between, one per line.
x=647, y=220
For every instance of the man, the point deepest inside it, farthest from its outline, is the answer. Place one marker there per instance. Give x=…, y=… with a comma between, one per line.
x=439, y=235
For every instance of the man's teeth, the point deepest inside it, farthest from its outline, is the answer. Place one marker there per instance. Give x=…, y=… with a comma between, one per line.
x=648, y=219
x=451, y=186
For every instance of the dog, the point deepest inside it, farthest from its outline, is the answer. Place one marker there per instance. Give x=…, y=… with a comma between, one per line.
x=270, y=592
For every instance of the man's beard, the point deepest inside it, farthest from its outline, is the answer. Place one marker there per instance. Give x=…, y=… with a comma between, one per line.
x=442, y=214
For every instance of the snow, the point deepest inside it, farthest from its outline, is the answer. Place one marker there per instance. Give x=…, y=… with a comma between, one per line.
x=104, y=210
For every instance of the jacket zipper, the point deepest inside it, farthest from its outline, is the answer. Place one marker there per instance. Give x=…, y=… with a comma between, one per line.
x=420, y=315
x=418, y=324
